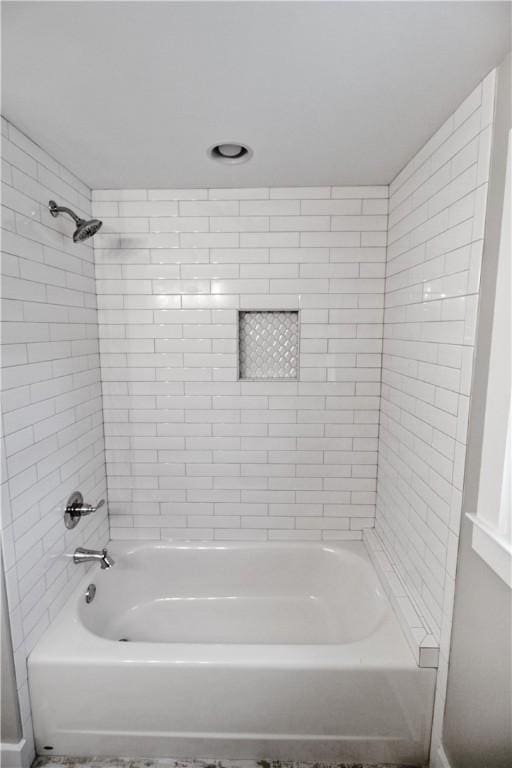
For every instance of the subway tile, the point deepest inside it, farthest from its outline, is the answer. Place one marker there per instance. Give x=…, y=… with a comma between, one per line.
x=360, y=192
x=134, y=209
x=209, y=208
x=55, y=385
x=177, y=194
x=437, y=207
x=359, y=223
x=374, y=239
x=119, y=194
x=330, y=207
x=330, y=239
x=269, y=239
x=270, y=208
x=239, y=256
x=375, y=206
x=209, y=240
x=293, y=193
x=179, y=224
x=299, y=255
x=246, y=193
x=300, y=223
x=239, y=224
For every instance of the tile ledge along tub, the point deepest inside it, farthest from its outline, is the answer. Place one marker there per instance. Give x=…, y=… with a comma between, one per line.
x=273, y=650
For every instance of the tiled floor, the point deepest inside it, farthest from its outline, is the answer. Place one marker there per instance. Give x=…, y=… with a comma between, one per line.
x=121, y=762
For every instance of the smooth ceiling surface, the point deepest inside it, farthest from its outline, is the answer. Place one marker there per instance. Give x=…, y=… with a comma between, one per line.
x=132, y=94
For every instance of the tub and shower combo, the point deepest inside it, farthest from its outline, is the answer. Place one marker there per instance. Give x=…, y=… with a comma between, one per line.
x=275, y=651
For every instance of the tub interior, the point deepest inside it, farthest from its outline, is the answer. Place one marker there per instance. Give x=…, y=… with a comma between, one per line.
x=304, y=594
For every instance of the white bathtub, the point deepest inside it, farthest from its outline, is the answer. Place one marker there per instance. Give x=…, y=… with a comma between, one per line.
x=277, y=651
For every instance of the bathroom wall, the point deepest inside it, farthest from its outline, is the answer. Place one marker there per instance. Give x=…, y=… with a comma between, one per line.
x=192, y=452
x=478, y=719
x=52, y=440
x=436, y=227
x=10, y=724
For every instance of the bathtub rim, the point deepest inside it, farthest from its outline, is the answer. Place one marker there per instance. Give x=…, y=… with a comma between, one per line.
x=68, y=638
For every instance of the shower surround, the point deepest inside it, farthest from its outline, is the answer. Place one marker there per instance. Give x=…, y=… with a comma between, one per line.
x=437, y=211
x=52, y=441
x=306, y=472
x=194, y=453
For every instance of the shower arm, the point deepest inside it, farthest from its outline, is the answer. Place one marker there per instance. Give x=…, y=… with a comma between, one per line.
x=56, y=209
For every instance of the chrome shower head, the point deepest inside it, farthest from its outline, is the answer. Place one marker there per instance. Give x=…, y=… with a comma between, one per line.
x=84, y=229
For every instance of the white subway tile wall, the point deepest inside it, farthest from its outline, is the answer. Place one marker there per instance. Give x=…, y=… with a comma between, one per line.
x=52, y=441
x=194, y=453
x=436, y=227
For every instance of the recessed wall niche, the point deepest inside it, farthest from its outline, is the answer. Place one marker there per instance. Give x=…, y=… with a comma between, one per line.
x=268, y=344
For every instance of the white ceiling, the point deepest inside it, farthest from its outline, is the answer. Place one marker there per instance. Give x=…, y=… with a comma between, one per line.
x=132, y=94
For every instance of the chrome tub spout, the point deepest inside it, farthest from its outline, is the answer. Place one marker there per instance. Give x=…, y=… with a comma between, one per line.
x=82, y=555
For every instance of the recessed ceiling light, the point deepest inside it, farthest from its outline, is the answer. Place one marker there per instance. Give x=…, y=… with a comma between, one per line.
x=230, y=153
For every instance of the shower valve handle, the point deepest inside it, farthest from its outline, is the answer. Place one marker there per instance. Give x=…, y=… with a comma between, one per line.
x=87, y=509
x=76, y=509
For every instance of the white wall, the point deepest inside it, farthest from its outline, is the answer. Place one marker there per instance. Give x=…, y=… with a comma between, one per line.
x=478, y=719
x=191, y=451
x=52, y=440
x=436, y=227
x=10, y=723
